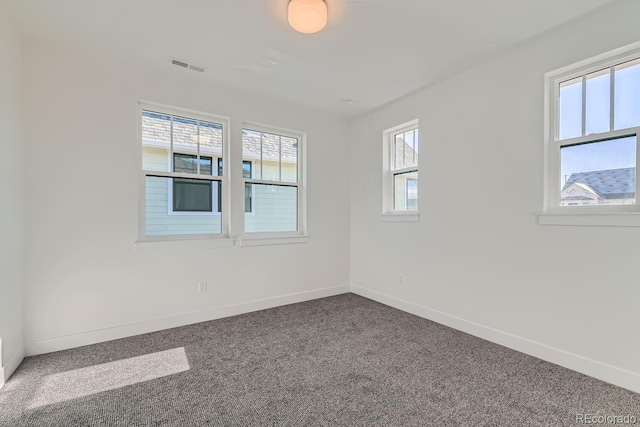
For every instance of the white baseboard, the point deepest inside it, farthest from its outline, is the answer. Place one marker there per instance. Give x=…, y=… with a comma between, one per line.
x=92, y=337
x=9, y=368
x=602, y=371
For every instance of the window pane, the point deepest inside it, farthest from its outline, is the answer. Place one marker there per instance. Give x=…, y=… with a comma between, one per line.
x=289, y=164
x=270, y=157
x=211, y=139
x=598, y=116
x=248, y=197
x=205, y=165
x=251, y=150
x=627, y=95
x=405, y=191
x=188, y=163
x=162, y=220
x=405, y=149
x=185, y=134
x=275, y=208
x=191, y=195
x=156, y=141
x=184, y=163
x=599, y=173
x=412, y=194
x=398, y=152
x=246, y=173
x=274, y=157
x=570, y=109
x=246, y=169
x=411, y=149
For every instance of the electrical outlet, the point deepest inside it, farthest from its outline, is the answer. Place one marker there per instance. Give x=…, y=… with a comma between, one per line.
x=202, y=286
x=400, y=279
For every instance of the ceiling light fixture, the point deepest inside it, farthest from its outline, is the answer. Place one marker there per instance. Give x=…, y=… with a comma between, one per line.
x=307, y=16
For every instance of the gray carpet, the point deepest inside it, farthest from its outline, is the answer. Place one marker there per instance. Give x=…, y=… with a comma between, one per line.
x=342, y=360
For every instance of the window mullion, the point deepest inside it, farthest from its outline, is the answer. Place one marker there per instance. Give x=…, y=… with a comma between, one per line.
x=198, y=149
x=637, y=168
x=279, y=158
x=171, y=162
x=415, y=131
x=612, y=102
x=584, y=105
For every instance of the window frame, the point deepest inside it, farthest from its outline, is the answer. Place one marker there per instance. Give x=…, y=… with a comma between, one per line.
x=553, y=212
x=300, y=184
x=223, y=179
x=389, y=212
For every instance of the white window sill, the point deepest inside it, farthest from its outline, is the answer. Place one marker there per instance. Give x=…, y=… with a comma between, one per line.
x=401, y=217
x=274, y=240
x=169, y=245
x=618, y=219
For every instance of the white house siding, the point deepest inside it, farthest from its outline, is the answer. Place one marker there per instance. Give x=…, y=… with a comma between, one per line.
x=274, y=207
x=160, y=220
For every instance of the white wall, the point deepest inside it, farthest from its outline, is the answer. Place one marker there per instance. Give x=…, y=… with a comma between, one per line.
x=11, y=200
x=478, y=260
x=82, y=271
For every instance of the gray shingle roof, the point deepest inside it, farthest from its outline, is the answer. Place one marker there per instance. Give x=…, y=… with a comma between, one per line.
x=156, y=128
x=406, y=150
x=270, y=143
x=610, y=183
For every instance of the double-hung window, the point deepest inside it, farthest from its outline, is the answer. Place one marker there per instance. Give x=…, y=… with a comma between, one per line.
x=400, y=169
x=272, y=173
x=182, y=173
x=593, y=122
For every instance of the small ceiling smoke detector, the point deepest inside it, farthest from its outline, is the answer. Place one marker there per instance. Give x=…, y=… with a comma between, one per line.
x=307, y=16
x=184, y=64
x=348, y=101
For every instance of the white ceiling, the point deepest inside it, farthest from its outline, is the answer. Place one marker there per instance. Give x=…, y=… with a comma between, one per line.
x=372, y=51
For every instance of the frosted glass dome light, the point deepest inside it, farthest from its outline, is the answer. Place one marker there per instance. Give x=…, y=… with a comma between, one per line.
x=307, y=16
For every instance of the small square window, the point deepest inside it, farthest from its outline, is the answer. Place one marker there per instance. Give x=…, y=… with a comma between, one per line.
x=191, y=195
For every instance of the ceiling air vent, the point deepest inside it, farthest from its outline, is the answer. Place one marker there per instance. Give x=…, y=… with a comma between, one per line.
x=196, y=68
x=186, y=65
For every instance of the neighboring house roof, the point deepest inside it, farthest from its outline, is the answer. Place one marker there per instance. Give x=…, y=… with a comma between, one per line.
x=580, y=191
x=610, y=183
x=156, y=130
x=409, y=154
x=270, y=146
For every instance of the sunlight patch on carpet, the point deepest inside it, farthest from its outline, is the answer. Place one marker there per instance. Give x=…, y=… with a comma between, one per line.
x=82, y=382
